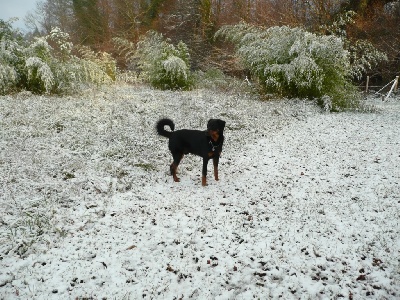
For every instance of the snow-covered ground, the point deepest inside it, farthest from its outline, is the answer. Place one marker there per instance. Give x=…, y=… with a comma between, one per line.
x=307, y=205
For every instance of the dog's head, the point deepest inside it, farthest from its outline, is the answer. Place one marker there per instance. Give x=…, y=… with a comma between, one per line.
x=215, y=128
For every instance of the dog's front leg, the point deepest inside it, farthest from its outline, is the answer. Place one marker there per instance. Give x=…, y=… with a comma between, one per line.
x=215, y=163
x=204, y=172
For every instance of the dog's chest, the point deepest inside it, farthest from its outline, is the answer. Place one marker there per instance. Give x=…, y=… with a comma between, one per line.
x=213, y=148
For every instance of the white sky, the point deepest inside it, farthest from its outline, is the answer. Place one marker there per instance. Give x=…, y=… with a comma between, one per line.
x=16, y=8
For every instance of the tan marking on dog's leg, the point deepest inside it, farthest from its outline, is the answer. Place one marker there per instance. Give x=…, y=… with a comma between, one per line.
x=216, y=173
x=215, y=170
x=203, y=181
x=173, y=168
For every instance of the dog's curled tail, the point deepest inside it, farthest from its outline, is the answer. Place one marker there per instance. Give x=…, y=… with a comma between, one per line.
x=160, y=127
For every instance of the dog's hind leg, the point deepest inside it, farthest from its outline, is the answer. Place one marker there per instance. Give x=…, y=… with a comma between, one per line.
x=174, y=166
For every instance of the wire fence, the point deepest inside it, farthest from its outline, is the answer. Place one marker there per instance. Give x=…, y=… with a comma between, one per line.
x=384, y=91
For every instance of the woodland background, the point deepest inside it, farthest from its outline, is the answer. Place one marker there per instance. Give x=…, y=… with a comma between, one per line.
x=95, y=23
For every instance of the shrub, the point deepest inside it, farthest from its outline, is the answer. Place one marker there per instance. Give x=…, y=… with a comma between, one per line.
x=47, y=64
x=295, y=63
x=363, y=55
x=103, y=60
x=10, y=57
x=160, y=63
x=8, y=78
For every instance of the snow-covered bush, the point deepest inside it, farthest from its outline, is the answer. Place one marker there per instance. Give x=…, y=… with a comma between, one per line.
x=8, y=78
x=363, y=55
x=293, y=62
x=40, y=76
x=47, y=64
x=68, y=71
x=10, y=57
x=102, y=59
x=161, y=63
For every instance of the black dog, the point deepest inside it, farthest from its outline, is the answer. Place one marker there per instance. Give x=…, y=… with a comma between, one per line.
x=207, y=144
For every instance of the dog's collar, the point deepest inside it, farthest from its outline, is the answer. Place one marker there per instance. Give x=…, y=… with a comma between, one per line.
x=213, y=147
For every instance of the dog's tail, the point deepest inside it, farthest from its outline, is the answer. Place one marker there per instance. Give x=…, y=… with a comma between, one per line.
x=160, y=127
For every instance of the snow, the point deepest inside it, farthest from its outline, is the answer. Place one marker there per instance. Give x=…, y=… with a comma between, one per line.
x=307, y=205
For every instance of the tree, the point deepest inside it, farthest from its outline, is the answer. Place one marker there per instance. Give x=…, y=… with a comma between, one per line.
x=50, y=14
x=92, y=22
x=127, y=18
x=377, y=22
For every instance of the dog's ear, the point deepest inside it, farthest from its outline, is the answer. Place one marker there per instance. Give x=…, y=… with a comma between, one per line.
x=221, y=124
x=212, y=124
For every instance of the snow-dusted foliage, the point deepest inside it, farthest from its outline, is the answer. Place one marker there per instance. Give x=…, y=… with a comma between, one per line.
x=103, y=60
x=39, y=74
x=363, y=55
x=338, y=26
x=10, y=51
x=294, y=62
x=47, y=64
x=8, y=77
x=161, y=63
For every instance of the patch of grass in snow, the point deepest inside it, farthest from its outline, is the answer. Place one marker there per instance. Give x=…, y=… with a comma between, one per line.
x=28, y=227
x=146, y=167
